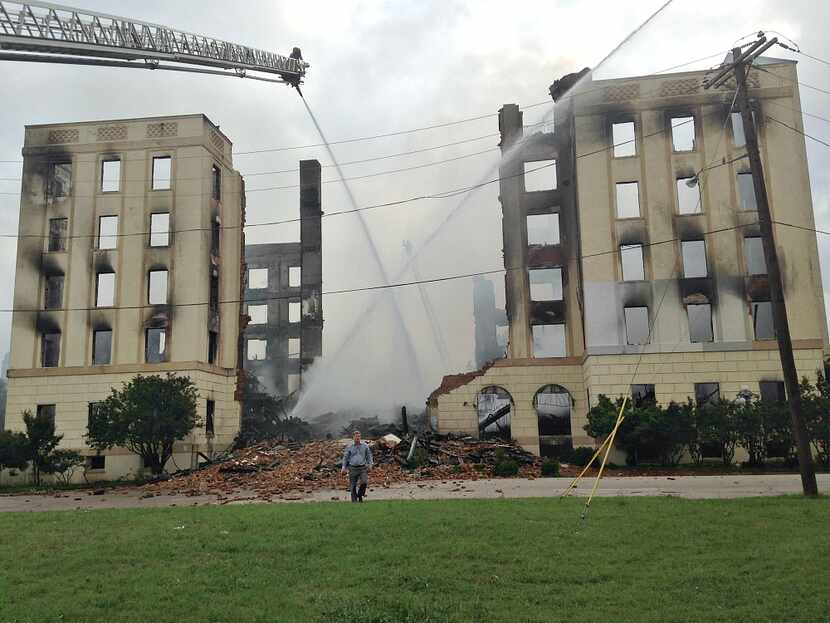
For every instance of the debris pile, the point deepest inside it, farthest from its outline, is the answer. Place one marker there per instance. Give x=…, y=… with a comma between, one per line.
x=275, y=468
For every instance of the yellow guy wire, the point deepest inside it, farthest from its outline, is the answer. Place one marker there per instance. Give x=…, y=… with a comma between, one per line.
x=605, y=445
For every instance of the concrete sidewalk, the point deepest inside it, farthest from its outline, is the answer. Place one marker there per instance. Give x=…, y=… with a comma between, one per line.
x=692, y=487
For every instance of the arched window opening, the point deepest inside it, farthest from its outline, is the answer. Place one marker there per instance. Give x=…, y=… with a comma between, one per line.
x=494, y=406
x=553, y=410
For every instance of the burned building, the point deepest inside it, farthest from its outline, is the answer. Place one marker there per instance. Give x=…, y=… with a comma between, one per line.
x=129, y=262
x=283, y=298
x=631, y=243
x=490, y=323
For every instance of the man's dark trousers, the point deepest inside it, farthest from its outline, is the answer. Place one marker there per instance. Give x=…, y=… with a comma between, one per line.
x=358, y=480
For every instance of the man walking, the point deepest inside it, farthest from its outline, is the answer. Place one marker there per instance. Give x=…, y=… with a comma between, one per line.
x=357, y=459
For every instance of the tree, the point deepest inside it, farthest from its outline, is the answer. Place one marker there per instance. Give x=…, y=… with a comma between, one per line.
x=41, y=442
x=62, y=464
x=264, y=417
x=147, y=417
x=13, y=453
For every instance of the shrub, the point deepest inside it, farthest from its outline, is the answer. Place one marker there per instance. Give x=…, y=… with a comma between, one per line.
x=12, y=451
x=550, y=468
x=716, y=424
x=816, y=402
x=63, y=464
x=507, y=467
x=580, y=456
x=648, y=432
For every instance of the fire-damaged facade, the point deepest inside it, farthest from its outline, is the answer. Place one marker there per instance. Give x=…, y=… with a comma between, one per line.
x=631, y=242
x=129, y=262
x=284, y=334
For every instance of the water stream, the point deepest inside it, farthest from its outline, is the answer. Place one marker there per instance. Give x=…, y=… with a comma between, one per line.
x=329, y=365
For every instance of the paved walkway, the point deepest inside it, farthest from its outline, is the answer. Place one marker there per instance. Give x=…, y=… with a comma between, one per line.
x=693, y=487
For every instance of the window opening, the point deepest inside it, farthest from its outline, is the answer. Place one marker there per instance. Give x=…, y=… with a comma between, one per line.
x=762, y=322
x=636, y=325
x=210, y=411
x=688, y=196
x=549, y=340
x=545, y=284
x=50, y=350
x=213, y=346
x=756, y=263
x=694, y=258
x=257, y=350
x=643, y=394
x=628, y=199
x=107, y=232
x=162, y=171
x=631, y=259
x=293, y=348
x=53, y=296
x=160, y=229
x=216, y=182
x=156, y=345
x=543, y=229
x=294, y=311
x=258, y=314
x=540, y=175
x=294, y=276
x=60, y=179
x=707, y=393
x=101, y=347
x=683, y=133
x=700, y=323
x=105, y=290
x=110, y=176
x=157, y=289
x=746, y=192
x=57, y=234
x=257, y=278
x=494, y=407
x=625, y=139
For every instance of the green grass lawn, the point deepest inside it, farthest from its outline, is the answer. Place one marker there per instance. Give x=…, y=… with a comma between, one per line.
x=635, y=559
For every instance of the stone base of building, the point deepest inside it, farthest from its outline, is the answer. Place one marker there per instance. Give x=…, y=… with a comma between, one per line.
x=673, y=374
x=72, y=390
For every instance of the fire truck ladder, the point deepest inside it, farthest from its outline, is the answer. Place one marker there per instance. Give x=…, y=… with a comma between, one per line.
x=43, y=32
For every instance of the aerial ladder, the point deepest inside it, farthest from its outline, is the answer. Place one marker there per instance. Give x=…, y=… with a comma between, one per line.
x=42, y=32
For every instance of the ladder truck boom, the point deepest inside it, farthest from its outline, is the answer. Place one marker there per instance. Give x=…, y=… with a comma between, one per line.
x=51, y=33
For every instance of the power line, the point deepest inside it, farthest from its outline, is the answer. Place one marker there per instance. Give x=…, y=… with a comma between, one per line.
x=442, y=195
x=384, y=135
x=330, y=181
x=798, y=110
x=801, y=132
x=400, y=284
x=351, y=162
x=791, y=80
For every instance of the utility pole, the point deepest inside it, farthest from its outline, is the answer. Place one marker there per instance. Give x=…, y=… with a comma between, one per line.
x=740, y=66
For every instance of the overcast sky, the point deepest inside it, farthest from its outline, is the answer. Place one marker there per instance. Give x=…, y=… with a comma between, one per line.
x=378, y=67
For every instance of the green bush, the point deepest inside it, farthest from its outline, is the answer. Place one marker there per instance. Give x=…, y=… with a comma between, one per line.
x=649, y=432
x=580, y=456
x=507, y=467
x=816, y=403
x=550, y=468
